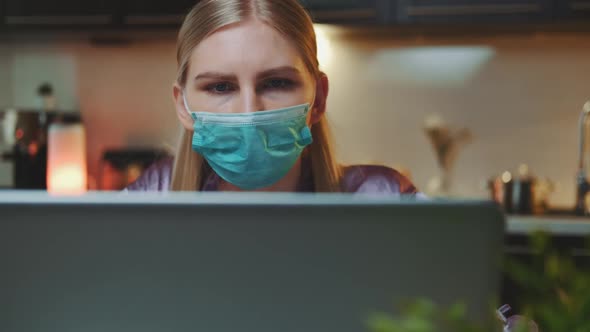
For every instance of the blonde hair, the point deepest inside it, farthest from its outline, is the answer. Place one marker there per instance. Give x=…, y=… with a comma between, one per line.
x=291, y=20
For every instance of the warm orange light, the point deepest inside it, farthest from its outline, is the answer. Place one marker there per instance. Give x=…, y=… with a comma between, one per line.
x=19, y=133
x=66, y=159
x=67, y=179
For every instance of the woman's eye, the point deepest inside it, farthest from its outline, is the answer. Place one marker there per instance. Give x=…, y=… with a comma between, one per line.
x=278, y=84
x=220, y=87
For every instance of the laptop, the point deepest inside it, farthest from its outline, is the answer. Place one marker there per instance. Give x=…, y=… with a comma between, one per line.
x=220, y=262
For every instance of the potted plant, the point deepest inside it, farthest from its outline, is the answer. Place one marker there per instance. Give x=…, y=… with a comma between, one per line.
x=555, y=295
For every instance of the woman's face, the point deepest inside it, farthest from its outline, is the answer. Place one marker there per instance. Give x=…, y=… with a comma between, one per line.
x=248, y=67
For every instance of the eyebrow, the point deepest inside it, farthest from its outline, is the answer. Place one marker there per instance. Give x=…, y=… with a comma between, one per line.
x=279, y=71
x=231, y=77
x=216, y=75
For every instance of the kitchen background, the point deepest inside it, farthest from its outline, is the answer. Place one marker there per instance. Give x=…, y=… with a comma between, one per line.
x=519, y=91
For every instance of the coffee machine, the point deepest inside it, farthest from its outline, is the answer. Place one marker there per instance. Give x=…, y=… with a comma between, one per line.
x=25, y=144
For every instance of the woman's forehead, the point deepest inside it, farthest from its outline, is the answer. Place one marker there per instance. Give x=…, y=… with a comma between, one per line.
x=246, y=47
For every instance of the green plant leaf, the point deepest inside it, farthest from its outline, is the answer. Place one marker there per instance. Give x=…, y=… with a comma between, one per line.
x=457, y=312
x=381, y=322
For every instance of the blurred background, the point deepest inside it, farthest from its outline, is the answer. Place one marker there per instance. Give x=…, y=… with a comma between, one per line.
x=459, y=95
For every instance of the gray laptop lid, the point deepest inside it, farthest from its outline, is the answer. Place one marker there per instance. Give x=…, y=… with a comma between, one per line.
x=220, y=262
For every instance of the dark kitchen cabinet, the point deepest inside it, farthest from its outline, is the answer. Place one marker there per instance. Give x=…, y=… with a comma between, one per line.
x=58, y=12
x=156, y=12
x=108, y=14
x=473, y=11
x=348, y=11
x=573, y=10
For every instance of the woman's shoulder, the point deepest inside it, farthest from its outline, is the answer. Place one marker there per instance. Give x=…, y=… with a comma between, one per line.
x=155, y=178
x=376, y=179
x=371, y=179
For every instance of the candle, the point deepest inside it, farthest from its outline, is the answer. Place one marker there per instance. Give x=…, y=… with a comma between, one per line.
x=66, y=159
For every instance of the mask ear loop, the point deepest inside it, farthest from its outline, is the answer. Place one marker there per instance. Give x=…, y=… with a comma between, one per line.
x=311, y=110
x=190, y=113
x=185, y=103
x=306, y=154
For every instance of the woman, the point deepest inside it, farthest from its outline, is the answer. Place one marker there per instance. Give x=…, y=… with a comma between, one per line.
x=238, y=59
x=252, y=101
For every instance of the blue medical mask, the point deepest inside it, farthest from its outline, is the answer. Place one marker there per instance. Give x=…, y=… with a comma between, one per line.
x=251, y=150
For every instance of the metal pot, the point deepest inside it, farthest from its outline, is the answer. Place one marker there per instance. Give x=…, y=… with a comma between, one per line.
x=523, y=194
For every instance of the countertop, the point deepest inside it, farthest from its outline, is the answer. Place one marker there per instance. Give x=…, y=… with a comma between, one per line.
x=557, y=225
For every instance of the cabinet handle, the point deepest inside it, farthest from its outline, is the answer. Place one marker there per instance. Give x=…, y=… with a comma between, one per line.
x=581, y=253
x=153, y=19
x=344, y=14
x=580, y=5
x=473, y=9
x=58, y=20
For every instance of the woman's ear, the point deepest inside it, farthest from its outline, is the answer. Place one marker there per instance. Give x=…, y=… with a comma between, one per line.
x=181, y=111
x=321, y=95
